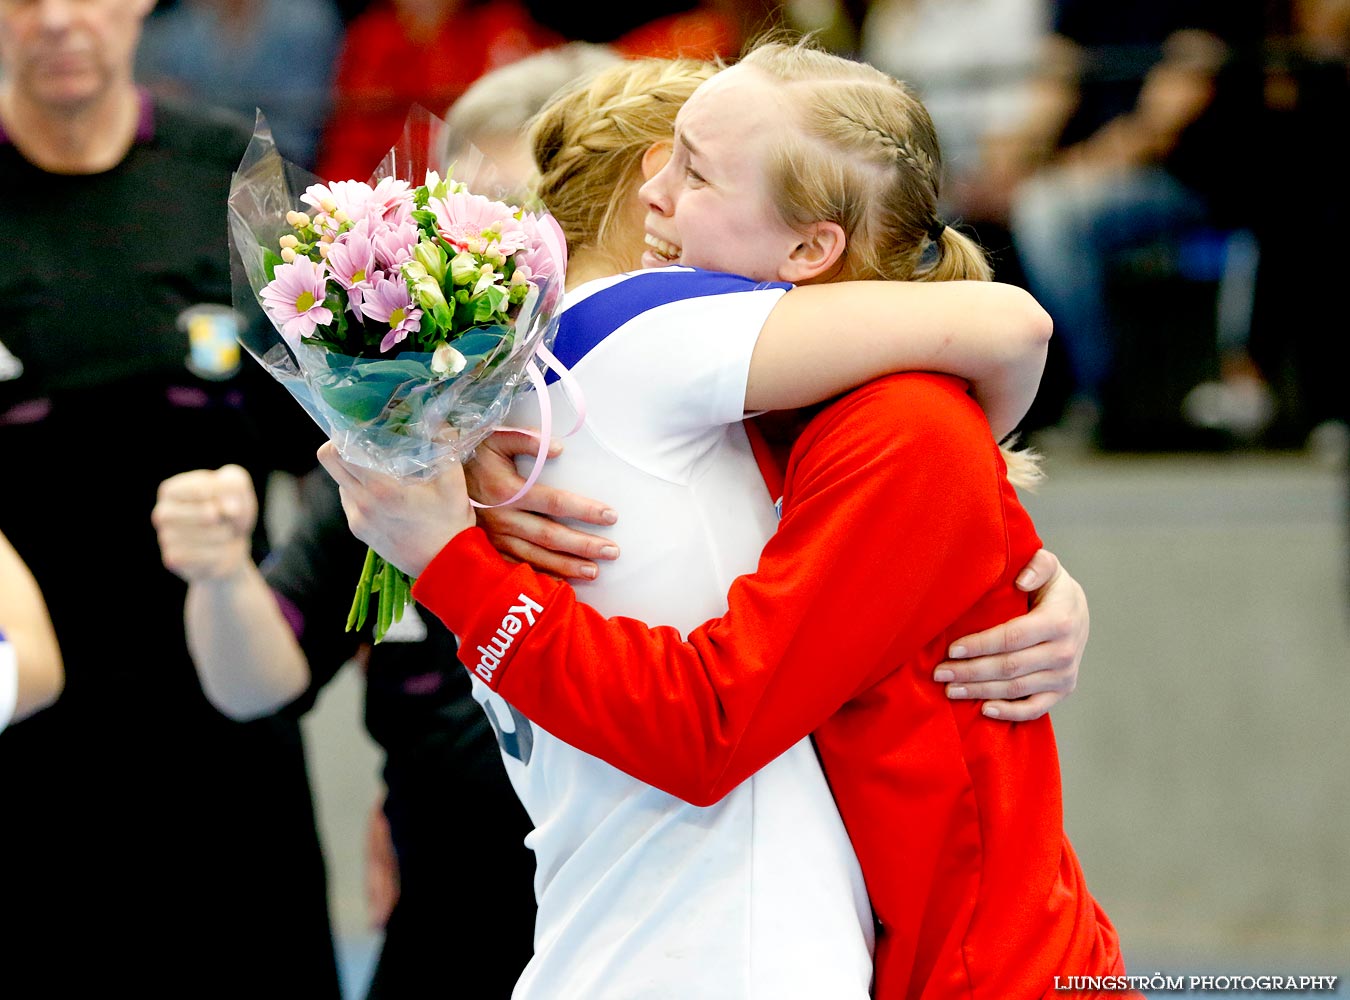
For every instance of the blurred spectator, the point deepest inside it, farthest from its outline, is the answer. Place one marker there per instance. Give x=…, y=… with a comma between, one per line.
x=492, y=116
x=1298, y=337
x=144, y=833
x=973, y=63
x=694, y=29
x=1142, y=133
x=398, y=53
x=273, y=55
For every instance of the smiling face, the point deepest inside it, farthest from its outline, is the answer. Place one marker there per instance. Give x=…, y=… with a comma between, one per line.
x=66, y=54
x=711, y=205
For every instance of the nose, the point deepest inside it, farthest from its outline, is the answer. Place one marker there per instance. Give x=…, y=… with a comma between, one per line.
x=653, y=193
x=54, y=14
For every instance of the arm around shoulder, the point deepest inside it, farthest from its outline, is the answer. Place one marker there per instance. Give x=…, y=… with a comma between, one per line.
x=821, y=340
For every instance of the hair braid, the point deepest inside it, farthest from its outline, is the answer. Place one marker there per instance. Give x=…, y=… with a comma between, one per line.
x=588, y=143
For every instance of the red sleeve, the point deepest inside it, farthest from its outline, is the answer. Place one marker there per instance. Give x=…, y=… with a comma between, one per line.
x=887, y=491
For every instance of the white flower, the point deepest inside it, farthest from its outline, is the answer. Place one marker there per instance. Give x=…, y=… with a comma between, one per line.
x=447, y=361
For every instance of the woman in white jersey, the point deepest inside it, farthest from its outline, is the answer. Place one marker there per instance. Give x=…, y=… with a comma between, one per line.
x=641, y=894
x=31, y=675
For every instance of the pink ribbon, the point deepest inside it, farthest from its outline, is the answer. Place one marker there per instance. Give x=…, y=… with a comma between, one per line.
x=545, y=432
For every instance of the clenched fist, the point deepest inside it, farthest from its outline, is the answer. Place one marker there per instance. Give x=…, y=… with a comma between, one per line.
x=204, y=520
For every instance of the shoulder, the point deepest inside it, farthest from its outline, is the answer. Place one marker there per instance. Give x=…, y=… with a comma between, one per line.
x=208, y=134
x=901, y=433
x=908, y=408
x=612, y=302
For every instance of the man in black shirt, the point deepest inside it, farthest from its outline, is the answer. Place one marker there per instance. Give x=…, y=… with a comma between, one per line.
x=149, y=842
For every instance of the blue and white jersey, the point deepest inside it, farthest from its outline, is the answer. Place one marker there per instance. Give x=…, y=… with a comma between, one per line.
x=9, y=681
x=641, y=895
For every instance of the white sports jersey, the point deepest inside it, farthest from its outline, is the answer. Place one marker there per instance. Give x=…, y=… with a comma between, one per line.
x=641, y=895
x=9, y=681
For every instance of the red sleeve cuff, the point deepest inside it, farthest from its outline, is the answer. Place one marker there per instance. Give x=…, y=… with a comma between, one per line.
x=490, y=605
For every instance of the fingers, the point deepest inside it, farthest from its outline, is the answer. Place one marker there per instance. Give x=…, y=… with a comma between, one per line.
x=494, y=479
x=330, y=459
x=1055, y=656
x=1037, y=573
x=563, y=504
x=1032, y=629
x=544, y=543
x=544, y=560
x=1060, y=682
x=1021, y=711
x=512, y=441
x=1016, y=686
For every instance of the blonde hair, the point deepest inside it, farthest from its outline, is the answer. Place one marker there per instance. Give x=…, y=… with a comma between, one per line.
x=860, y=164
x=865, y=155
x=589, y=142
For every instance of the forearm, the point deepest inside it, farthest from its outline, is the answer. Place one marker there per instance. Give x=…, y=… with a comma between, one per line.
x=247, y=657
x=26, y=625
x=41, y=676
x=581, y=675
x=822, y=340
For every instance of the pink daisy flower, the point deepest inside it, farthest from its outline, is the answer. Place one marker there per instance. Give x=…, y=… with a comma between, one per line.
x=390, y=302
x=461, y=219
x=293, y=299
x=394, y=244
x=544, y=256
x=390, y=201
x=347, y=196
x=351, y=260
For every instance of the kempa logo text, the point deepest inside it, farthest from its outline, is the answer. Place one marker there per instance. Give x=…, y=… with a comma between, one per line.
x=517, y=617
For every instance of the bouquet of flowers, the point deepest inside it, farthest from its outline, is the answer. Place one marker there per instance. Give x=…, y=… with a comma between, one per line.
x=406, y=311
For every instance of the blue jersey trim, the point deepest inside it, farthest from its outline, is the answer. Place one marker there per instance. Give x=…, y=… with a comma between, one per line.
x=584, y=326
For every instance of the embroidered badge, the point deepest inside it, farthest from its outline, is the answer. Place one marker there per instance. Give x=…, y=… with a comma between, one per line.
x=213, y=341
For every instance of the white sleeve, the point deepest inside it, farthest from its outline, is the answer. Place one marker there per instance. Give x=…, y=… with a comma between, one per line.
x=9, y=681
x=671, y=379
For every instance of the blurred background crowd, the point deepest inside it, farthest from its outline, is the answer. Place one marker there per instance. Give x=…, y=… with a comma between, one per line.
x=1137, y=166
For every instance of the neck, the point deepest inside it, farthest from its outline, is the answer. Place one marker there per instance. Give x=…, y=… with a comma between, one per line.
x=85, y=139
x=587, y=265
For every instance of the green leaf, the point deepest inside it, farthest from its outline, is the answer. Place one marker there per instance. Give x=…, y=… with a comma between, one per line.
x=368, y=385
x=443, y=317
x=270, y=261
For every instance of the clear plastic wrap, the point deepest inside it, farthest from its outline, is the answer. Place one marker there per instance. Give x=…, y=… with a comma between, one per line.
x=406, y=310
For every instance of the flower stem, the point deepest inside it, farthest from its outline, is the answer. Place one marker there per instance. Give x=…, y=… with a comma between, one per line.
x=356, y=617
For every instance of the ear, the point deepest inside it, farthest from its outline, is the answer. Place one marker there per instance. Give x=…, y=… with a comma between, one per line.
x=655, y=158
x=816, y=255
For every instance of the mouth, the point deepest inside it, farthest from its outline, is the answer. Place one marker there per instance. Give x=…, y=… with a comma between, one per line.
x=659, y=249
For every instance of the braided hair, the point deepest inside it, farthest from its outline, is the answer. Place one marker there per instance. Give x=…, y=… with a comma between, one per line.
x=865, y=155
x=589, y=142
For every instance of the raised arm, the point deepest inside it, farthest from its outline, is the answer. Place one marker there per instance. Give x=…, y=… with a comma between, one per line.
x=821, y=340
x=36, y=668
x=247, y=656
